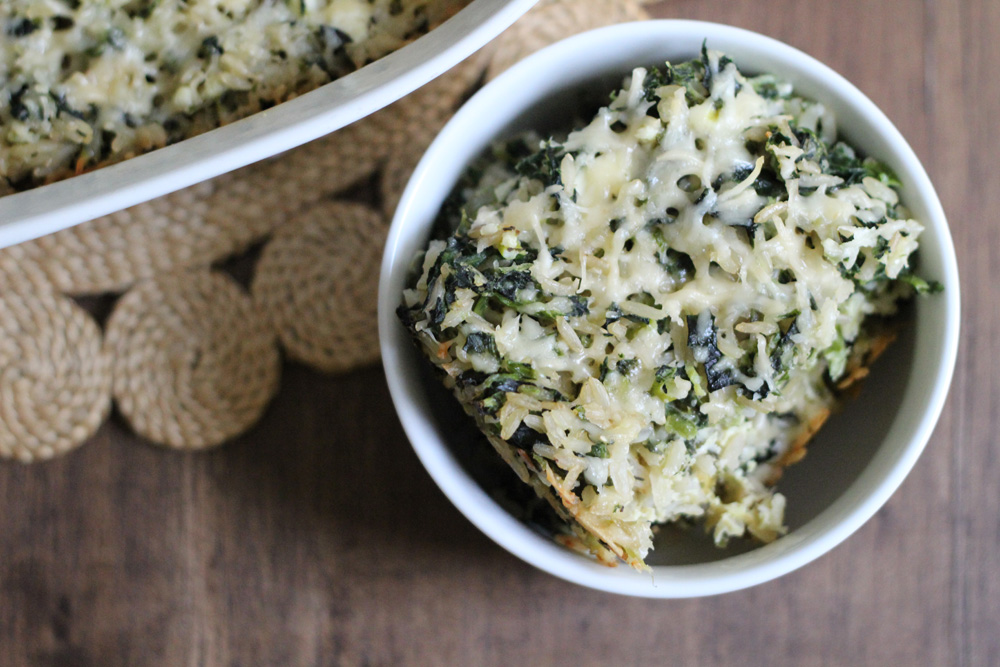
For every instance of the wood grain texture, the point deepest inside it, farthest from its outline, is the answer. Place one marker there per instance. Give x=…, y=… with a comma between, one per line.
x=318, y=539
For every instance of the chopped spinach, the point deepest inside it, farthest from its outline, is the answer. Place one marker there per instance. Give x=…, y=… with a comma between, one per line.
x=679, y=424
x=656, y=78
x=60, y=23
x=702, y=343
x=627, y=366
x=478, y=342
x=333, y=54
x=17, y=107
x=22, y=27
x=664, y=375
x=678, y=265
x=599, y=450
x=919, y=284
x=525, y=438
x=210, y=46
x=545, y=165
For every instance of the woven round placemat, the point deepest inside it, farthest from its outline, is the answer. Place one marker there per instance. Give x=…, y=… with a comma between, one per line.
x=396, y=175
x=113, y=251
x=194, y=362
x=55, y=379
x=316, y=282
x=271, y=192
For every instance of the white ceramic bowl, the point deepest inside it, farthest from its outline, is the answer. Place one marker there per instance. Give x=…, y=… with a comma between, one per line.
x=858, y=459
x=47, y=209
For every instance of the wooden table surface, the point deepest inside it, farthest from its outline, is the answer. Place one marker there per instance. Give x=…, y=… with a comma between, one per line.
x=317, y=538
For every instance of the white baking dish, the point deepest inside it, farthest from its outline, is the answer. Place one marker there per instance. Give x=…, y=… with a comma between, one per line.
x=47, y=209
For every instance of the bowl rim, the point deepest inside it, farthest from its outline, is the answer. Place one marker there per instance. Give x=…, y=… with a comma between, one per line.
x=56, y=206
x=832, y=525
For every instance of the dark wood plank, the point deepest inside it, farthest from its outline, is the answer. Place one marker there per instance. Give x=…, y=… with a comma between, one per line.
x=317, y=538
x=964, y=110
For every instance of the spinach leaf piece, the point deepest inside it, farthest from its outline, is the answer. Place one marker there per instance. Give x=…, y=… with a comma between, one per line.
x=544, y=165
x=702, y=342
x=479, y=342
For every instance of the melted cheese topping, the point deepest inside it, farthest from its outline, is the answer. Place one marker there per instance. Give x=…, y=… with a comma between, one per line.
x=647, y=318
x=92, y=82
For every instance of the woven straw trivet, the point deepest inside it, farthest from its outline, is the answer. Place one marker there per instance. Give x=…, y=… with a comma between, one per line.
x=316, y=282
x=194, y=363
x=55, y=380
x=111, y=252
x=395, y=177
